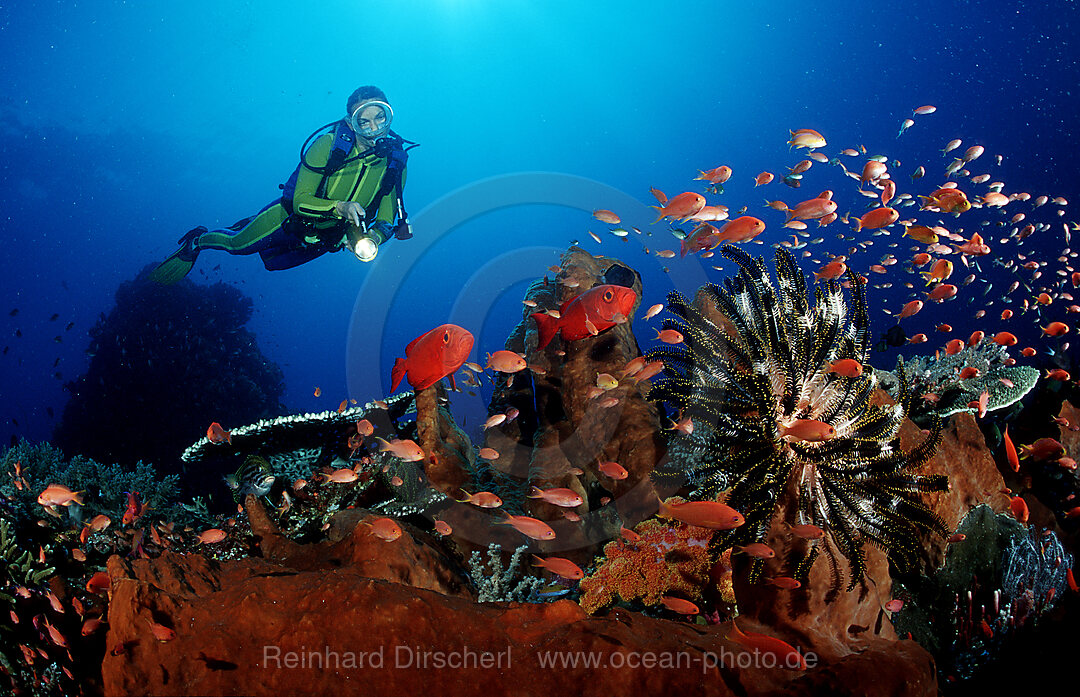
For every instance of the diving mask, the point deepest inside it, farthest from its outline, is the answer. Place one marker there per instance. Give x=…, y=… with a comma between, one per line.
x=365, y=249
x=371, y=120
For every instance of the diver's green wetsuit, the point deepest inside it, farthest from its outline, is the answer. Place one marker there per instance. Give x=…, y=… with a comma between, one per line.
x=285, y=241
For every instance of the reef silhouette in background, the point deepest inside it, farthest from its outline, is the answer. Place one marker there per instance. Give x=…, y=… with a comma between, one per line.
x=164, y=363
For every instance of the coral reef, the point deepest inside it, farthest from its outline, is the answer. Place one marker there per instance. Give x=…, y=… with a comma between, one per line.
x=941, y=392
x=358, y=608
x=756, y=361
x=561, y=434
x=667, y=560
x=165, y=363
x=105, y=486
x=994, y=586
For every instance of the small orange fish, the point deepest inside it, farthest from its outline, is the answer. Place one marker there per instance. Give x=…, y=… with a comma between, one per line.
x=807, y=531
x=530, y=527
x=55, y=636
x=385, y=529
x=757, y=550
x=703, y=514
x=345, y=475
x=894, y=605
x=98, y=583
x=216, y=434
x=877, y=219
x=503, y=361
x=1004, y=339
x=809, y=430
x=1055, y=329
x=318, y=392
x=1010, y=452
x=785, y=655
x=847, y=367
x=161, y=632
x=481, y=499
x=784, y=582
x=717, y=175
x=910, y=309
x=831, y=271
x=59, y=495
x=741, y=229
x=683, y=607
x=443, y=528
x=211, y=536
x=669, y=336
x=566, y=498
x=681, y=207
x=91, y=625
x=606, y=216
x=941, y=292
x=613, y=470
x=806, y=138
x=406, y=450
x=763, y=178
x=1019, y=509
x=560, y=567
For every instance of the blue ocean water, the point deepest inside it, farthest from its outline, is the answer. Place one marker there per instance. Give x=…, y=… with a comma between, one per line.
x=124, y=124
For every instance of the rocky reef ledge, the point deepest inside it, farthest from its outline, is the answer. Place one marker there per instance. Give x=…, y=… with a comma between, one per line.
x=354, y=614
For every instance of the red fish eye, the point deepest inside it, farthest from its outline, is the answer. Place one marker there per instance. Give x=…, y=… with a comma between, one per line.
x=446, y=337
x=608, y=295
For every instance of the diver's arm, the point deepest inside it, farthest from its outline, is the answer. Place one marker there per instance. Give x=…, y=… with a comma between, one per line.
x=305, y=202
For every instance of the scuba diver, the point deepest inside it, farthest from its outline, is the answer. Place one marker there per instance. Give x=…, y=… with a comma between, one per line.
x=345, y=193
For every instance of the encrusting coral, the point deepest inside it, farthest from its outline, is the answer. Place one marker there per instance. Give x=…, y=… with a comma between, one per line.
x=756, y=374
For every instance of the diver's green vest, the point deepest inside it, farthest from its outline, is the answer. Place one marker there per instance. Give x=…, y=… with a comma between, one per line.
x=358, y=180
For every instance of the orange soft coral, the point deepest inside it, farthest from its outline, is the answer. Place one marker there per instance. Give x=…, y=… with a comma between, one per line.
x=668, y=559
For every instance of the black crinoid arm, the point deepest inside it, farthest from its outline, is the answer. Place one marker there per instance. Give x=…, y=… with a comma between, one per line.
x=759, y=364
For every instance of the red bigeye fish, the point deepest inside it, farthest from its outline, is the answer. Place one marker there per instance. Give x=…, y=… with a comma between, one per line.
x=432, y=356
x=596, y=307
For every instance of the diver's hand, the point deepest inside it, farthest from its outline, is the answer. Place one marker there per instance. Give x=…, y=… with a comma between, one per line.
x=349, y=210
x=365, y=248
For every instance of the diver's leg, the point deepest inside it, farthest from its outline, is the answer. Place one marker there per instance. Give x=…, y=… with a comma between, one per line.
x=249, y=235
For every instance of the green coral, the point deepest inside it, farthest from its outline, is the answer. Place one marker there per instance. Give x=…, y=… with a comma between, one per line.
x=106, y=485
x=19, y=566
x=940, y=376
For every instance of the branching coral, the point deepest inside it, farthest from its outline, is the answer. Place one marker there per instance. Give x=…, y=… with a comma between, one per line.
x=765, y=366
x=495, y=583
x=667, y=559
